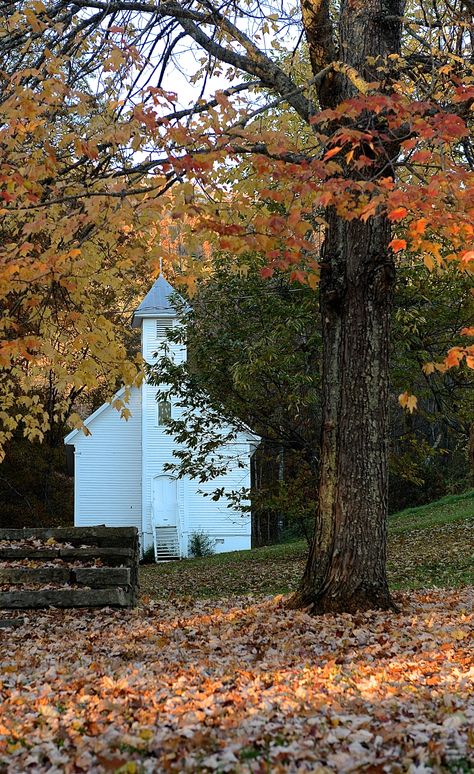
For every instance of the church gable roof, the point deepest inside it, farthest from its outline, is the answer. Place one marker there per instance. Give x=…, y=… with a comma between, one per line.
x=107, y=405
x=156, y=302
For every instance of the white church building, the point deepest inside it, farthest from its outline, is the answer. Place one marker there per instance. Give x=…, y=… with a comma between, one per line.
x=119, y=474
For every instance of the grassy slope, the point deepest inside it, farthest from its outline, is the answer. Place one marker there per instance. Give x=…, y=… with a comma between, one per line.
x=430, y=546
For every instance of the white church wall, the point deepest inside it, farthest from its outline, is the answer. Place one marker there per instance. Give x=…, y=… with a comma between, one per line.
x=107, y=479
x=196, y=512
x=153, y=339
x=228, y=528
x=157, y=451
x=157, y=445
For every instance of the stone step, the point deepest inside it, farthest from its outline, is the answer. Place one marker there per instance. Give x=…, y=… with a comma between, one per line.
x=7, y=554
x=114, y=583
x=95, y=577
x=35, y=575
x=112, y=556
x=102, y=577
x=102, y=536
x=111, y=597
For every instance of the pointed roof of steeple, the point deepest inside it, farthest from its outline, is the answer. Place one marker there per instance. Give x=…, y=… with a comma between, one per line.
x=156, y=302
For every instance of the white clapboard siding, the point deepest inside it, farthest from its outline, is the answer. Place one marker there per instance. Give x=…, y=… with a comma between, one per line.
x=212, y=516
x=158, y=450
x=154, y=340
x=108, y=469
x=196, y=513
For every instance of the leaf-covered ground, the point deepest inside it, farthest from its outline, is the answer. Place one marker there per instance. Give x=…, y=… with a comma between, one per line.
x=187, y=683
x=241, y=686
x=429, y=547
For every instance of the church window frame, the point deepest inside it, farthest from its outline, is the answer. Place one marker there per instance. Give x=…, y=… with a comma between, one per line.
x=163, y=412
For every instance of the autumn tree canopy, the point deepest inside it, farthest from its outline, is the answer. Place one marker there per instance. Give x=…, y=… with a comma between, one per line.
x=374, y=162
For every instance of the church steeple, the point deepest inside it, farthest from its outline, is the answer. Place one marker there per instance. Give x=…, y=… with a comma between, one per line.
x=156, y=303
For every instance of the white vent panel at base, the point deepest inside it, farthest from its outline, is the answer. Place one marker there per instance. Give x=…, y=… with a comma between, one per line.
x=163, y=325
x=166, y=543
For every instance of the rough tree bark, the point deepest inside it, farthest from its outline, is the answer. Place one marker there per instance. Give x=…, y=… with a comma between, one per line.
x=346, y=565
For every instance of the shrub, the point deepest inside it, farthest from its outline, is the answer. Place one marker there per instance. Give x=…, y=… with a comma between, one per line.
x=148, y=556
x=200, y=544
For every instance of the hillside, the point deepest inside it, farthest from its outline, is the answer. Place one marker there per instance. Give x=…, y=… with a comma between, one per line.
x=429, y=547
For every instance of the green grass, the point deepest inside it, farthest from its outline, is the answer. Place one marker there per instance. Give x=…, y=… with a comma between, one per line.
x=431, y=546
x=445, y=511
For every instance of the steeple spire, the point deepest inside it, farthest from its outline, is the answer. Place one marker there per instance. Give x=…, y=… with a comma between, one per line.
x=156, y=302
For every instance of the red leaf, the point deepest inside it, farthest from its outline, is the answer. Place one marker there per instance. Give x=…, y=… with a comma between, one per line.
x=397, y=245
x=398, y=213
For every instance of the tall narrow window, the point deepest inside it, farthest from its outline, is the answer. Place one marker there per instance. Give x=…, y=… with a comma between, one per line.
x=164, y=412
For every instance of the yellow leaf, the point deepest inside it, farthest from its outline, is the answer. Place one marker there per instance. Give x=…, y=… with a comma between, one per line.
x=408, y=401
x=429, y=262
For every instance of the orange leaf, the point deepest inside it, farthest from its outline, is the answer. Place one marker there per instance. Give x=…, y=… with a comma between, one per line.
x=454, y=357
x=332, y=152
x=297, y=276
x=419, y=226
x=368, y=210
x=429, y=262
x=313, y=281
x=398, y=213
x=467, y=257
x=397, y=245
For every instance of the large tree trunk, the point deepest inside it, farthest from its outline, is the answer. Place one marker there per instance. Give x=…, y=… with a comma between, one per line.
x=346, y=566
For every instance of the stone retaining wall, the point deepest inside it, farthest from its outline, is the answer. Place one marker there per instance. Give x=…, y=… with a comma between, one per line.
x=69, y=567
